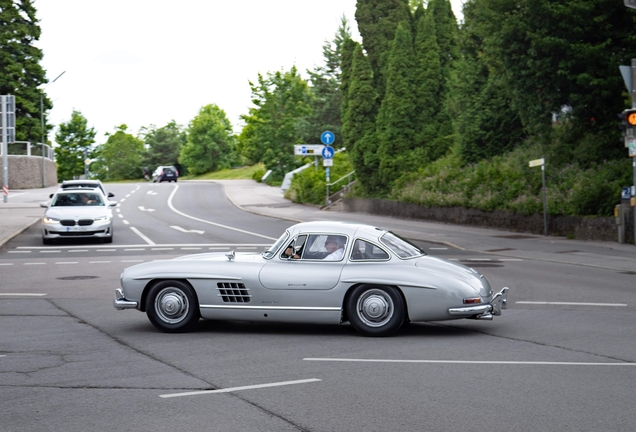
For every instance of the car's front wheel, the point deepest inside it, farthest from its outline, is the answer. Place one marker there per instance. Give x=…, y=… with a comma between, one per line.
x=172, y=306
x=376, y=310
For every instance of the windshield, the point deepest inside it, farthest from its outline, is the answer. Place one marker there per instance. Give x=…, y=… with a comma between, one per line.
x=401, y=247
x=271, y=251
x=77, y=199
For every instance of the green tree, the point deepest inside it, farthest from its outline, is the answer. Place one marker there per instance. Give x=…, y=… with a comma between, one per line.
x=377, y=22
x=325, y=90
x=20, y=70
x=429, y=87
x=359, y=119
x=270, y=130
x=163, y=145
x=562, y=54
x=346, y=67
x=120, y=157
x=74, y=144
x=210, y=143
x=395, y=124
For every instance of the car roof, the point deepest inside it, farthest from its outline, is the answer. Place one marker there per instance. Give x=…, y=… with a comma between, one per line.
x=351, y=229
x=69, y=183
x=79, y=189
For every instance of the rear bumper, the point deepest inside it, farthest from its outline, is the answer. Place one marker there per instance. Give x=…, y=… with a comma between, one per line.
x=498, y=302
x=122, y=303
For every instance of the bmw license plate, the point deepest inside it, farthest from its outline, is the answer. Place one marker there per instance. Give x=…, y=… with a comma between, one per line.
x=76, y=229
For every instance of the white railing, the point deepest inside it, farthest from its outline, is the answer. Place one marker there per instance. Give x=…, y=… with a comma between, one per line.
x=26, y=148
x=347, y=187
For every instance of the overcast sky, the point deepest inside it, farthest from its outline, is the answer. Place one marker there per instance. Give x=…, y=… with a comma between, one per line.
x=146, y=62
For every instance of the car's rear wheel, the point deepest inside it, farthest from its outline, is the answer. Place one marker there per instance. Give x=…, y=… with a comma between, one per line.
x=376, y=310
x=172, y=306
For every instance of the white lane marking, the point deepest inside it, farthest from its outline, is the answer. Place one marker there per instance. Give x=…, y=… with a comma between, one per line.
x=152, y=193
x=121, y=216
x=50, y=251
x=3, y=355
x=67, y=262
x=510, y=259
x=232, y=245
x=232, y=389
x=142, y=208
x=178, y=228
x=125, y=222
x=79, y=250
x=132, y=261
x=136, y=249
x=470, y=362
x=38, y=263
x=122, y=200
x=143, y=237
x=127, y=195
x=191, y=248
x=243, y=247
x=1, y=264
x=15, y=194
x=176, y=187
x=23, y=294
x=19, y=252
x=118, y=210
x=219, y=247
x=438, y=248
x=479, y=259
x=162, y=249
x=106, y=250
x=98, y=262
x=570, y=303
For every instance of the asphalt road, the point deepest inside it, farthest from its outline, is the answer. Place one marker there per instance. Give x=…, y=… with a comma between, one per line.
x=562, y=357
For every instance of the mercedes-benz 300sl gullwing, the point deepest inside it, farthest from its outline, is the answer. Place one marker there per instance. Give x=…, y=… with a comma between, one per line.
x=316, y=272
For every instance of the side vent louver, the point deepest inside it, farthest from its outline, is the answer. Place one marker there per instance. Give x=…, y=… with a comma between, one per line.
x=232, y=292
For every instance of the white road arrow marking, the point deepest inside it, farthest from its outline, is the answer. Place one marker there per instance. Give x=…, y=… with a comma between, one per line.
x=178, y=228
x=142, y=208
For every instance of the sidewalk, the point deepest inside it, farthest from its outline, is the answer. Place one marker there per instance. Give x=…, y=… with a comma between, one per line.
x=23, y=210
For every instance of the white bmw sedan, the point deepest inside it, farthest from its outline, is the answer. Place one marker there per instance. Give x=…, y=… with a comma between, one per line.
x=84, y=213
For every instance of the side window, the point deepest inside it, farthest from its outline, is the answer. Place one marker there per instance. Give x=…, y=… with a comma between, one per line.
x=329, y=247
x=295, y=248
x=365, y=251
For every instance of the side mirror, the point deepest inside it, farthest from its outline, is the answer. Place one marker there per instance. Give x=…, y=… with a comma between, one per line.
x=110, y=194
x=112, y=203
x=44, y=204
x=51, y=196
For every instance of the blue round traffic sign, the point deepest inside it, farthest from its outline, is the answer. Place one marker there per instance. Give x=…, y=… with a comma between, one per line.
x=327, y=152
x=327, y=137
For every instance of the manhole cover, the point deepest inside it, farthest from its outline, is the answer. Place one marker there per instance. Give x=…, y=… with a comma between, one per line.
x=77, y=277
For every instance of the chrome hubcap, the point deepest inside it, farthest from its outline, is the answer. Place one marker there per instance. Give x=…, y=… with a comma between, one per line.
x=375, y=308
x=171, y=305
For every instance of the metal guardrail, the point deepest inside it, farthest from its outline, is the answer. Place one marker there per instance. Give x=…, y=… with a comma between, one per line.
x=347, y=176
x=26, y=148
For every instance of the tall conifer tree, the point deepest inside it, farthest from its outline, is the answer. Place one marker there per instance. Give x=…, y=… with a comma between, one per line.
x=395, y=124
x=20, y=70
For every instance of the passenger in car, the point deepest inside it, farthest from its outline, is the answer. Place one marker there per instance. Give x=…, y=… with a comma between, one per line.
x=335, y=247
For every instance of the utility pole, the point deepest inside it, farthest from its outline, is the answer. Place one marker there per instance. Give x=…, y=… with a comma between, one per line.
x=7, y=134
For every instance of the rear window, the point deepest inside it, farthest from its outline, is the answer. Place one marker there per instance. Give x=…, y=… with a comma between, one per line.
x=401, y=247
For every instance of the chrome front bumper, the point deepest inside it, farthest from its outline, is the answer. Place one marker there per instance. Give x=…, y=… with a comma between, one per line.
x=121, y=303
x=498, y=302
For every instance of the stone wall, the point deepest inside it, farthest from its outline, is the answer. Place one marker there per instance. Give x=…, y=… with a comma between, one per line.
x=25, y=172
x=582, y=228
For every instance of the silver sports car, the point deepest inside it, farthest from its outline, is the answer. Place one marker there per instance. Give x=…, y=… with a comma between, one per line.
x=316, y=272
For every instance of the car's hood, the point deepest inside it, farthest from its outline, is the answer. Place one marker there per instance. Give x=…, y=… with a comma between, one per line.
x=222, y=256
x=443, y=267
x=83, y=212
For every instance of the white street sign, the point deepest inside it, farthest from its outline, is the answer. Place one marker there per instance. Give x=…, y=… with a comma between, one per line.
x=537, y=162
x=308, y=149
x=327, y=162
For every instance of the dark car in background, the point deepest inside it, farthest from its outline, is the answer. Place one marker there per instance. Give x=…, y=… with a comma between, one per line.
x=165, y=173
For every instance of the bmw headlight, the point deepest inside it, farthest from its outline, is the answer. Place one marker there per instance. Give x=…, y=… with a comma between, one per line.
x=102, y=219
x=48, y=220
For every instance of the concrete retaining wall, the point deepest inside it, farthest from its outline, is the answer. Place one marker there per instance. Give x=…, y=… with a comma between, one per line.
x=25, y=172
x=582, y=228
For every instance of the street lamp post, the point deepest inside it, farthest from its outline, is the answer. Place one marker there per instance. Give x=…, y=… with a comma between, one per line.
x=42, y=123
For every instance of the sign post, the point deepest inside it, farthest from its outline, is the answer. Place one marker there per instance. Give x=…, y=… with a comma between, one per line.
x=328, y=152
x=7, y=135
x=541, y=163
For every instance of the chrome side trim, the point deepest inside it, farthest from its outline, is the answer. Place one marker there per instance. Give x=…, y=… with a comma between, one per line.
x=289, y=308
x=121, y=303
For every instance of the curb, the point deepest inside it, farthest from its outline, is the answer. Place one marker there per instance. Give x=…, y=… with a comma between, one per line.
x=18, y=232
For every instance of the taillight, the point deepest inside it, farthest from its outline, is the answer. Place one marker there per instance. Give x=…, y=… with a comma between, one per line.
x=474, y=300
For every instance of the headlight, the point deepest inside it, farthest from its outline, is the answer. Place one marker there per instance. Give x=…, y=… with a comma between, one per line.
x=48, y=220
x=102, y=219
